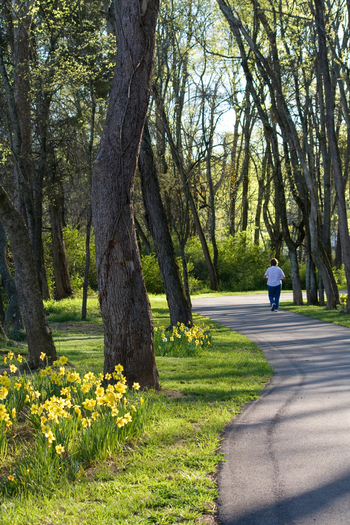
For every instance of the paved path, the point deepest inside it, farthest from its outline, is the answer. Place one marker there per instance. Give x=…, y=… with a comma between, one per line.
x=288, y=453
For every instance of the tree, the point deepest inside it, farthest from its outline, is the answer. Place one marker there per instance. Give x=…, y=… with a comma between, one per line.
x=180, y=309
x=13, y=313
x=38, y=331
x=333, y=144
x=124, y=303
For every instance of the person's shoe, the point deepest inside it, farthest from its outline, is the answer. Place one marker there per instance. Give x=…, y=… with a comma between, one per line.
x=273, y=307
x=276, y=310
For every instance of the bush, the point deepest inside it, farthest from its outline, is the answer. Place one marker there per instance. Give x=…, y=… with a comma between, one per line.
x=151, y=274
x=339, y=276
x=241, y=263
x=153, y=277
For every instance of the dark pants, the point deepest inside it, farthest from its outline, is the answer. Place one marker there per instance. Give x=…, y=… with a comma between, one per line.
x=274, y=295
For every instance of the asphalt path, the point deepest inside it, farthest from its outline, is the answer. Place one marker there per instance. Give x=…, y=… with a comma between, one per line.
x=287, y=455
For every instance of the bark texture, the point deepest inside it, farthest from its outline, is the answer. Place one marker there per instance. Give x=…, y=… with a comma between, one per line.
x=63, y=286
x=124, y=302
x=13, y=313
x=333, y=145
x=180, y=310
x=38, y=331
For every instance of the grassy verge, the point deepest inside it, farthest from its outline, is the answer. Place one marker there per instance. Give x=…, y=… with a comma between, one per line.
x=318, y=312
x=221, y=294
x=168, y=475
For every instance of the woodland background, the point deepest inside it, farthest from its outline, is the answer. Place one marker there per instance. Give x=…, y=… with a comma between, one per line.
x=250, y=130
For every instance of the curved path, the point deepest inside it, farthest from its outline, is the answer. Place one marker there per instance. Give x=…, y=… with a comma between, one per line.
x=288, y=453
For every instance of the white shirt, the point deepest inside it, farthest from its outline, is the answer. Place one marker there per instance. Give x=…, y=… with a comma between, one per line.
x=274, y=275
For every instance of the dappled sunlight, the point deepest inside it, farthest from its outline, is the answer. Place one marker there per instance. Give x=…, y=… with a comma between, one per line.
x=293, y=443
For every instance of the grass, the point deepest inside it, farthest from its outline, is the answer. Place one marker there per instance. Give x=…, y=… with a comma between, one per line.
x=221, y=294
x=168, y=476
x=318, y=312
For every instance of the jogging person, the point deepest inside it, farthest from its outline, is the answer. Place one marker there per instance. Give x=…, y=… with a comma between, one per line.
x=274, y=276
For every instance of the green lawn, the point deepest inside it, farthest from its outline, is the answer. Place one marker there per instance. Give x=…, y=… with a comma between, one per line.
x=319, y=312
x=168, y=476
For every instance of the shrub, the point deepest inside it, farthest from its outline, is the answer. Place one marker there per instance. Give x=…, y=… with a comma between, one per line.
x=153, y=277
x=151, y=274
x=339, y=276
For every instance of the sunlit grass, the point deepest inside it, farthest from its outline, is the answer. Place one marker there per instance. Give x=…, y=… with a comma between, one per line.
x=319, y=312
x=70, y=309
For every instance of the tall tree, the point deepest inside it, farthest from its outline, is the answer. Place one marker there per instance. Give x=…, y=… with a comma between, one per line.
x=125, y=308
x=333, y=144
x=180, y=309
x=38, y=331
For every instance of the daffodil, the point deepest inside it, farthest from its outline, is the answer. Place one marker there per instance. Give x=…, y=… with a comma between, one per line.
x=120, y=388
x=119, y=369
x=3, y=392
x=60, y=449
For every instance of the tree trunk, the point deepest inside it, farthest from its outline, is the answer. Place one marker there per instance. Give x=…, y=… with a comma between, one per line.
x=38, y=331
x=180, y=310
x=13, y=313
x=89, y=218
x=185, y=273
x=321, y=292
x=87, y=264
x=18, y=98
x=338, y=259
x=261, y=183
x=234, y=179
x=333, y=146
x=311, y=282
x=142, y=237
x=2, y=311
x=247, y=131
x=292, y=248
x=125, y=308
x=63, y=287
x=187, y=190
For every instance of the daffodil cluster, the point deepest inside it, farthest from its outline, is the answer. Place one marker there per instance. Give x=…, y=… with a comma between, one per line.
x=182, y=341
x=72, y=416
x=343, y=299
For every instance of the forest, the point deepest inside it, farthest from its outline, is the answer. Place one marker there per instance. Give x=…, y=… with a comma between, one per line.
x=243, y=112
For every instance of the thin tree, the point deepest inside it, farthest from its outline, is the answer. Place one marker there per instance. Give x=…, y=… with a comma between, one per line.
x=179, y=308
